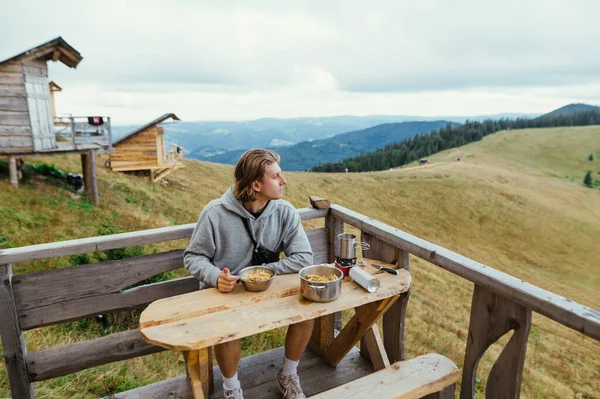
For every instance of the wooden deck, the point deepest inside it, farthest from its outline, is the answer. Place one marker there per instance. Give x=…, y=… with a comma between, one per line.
x=257, y=375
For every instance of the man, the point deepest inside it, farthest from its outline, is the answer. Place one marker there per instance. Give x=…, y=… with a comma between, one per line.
x=223, y=243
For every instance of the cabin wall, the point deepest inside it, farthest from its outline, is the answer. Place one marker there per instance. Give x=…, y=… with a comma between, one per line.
x=136, y=153
x=15, y=126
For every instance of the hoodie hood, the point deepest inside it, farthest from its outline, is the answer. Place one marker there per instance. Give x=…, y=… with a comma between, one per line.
x=232, y=204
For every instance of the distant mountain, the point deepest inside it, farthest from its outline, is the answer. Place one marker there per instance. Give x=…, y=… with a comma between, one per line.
x=307, y=154
x=571, y=109
x=202, y=139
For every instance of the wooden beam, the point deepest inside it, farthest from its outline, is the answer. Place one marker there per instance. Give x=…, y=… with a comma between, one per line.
x=13, y=343
x=371, y=345
x=319, y=202
x=55, y=55
x=563, y=310
x=67, y=359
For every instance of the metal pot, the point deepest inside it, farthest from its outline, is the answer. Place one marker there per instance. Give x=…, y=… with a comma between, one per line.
x=320, y=292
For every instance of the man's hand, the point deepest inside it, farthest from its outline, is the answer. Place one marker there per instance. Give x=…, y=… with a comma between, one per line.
x=226, y=282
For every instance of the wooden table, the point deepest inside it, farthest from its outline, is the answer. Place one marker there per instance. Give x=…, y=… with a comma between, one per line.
x=194, y=322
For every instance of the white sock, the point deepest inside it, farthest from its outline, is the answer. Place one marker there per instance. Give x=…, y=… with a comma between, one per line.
x=231, y=383
x=290, y=367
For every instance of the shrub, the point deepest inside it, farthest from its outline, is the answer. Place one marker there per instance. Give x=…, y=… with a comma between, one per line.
x=587, y=180
x=591, y=157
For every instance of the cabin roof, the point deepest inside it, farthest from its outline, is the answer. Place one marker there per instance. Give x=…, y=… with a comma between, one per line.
x=147, y=125
x=54, y=86
x=56, y=50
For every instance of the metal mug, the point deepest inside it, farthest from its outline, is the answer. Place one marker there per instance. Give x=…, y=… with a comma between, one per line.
x=346, y=246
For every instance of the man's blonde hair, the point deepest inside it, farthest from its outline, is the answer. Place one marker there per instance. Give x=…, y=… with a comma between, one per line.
x=251, y=167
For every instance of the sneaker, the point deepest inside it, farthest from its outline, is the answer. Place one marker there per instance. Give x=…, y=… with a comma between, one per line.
x=289, y=386
x=234, y=393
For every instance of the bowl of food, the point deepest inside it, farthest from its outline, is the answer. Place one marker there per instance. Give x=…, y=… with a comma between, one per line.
x=321, y=283
x=257, y=278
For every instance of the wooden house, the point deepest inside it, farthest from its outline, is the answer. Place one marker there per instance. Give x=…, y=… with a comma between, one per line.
x=28, y=122
x=144, y=150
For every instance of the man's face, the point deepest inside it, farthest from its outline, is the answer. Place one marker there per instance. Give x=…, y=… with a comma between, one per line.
x=271, y=185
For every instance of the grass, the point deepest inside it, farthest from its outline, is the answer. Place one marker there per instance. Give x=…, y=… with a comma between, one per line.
x=515, y=202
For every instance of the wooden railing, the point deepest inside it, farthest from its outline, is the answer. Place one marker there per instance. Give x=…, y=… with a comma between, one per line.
x=500, y=301
x=79, y=130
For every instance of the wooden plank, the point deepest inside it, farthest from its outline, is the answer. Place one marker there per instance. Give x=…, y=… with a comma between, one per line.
x=15, y=130
x=491, y=317
x=73, y=309
x=563, y=310
x=12, y=78
x=372, y=344
x=13, y=67
x=13, y=104
x=49, y=287
x=15, y=142
x=200, y=319
x=122, y=240
x=410, y=379
x=257, y=377
x=319, y=202
x=12, y=93
x=16, y=150
x=35, y=71
x=13, y=343
x=365, y=316
x=319, y=244
x=67, y=359
x=14, y=119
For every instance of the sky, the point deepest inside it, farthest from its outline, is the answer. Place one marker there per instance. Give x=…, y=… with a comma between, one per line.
x=240, y=60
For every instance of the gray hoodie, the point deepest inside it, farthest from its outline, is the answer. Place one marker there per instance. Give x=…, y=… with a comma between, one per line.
x=220, y=239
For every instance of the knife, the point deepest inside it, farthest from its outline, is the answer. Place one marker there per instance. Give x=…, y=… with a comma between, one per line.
x=385, y=269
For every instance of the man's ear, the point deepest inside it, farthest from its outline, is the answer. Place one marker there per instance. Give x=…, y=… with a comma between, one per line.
x=256, y=186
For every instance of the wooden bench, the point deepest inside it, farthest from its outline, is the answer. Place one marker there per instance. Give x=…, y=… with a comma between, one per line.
x=429, y=376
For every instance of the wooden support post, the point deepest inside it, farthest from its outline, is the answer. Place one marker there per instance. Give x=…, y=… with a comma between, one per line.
x=325, y=326
x=334, y=227
x=200, y=372
x=13, y=344
x=394, y=320
x=492, y=316
x=88, y=165
x=372, y=345
x=446, y=393
x=12, y=167
x=364, y=318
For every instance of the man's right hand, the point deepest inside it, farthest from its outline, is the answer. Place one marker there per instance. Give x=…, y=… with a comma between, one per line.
x=226, y=282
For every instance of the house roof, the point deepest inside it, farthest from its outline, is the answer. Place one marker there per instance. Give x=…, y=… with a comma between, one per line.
x=54, y=86
x=56, y=50
x=147, y=125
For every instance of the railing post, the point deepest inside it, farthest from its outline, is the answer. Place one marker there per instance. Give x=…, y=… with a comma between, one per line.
x=15, y=352
x=394, y=320
x=323, y=331
x=492, y=316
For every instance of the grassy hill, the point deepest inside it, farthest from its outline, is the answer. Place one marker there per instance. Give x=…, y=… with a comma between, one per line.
x=515, y=202
x=571, y=109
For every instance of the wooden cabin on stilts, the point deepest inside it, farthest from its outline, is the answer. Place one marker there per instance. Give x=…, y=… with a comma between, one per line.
x=28, y=122
x=144, y=150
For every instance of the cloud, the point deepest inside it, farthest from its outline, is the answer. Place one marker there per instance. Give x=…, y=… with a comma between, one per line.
x=256, y=56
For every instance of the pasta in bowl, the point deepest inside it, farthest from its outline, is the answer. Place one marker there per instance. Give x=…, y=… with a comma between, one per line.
x=257, y=278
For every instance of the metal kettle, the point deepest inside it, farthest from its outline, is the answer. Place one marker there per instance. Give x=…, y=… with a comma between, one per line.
x=346, y=246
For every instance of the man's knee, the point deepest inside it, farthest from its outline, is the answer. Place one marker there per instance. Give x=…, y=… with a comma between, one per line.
x=227, y=347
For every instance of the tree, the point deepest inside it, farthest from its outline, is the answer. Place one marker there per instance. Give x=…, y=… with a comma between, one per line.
x=587, y=180
x=591, y=157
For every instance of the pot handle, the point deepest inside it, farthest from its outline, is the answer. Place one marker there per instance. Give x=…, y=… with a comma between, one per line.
x=316, y=287
x=363, y=246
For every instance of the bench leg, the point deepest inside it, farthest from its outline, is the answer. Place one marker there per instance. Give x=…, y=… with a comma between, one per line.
x=446, y=393
x=200, y=372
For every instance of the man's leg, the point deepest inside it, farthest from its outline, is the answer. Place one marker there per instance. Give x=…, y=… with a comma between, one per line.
x=296, y=340
x=228, y=356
